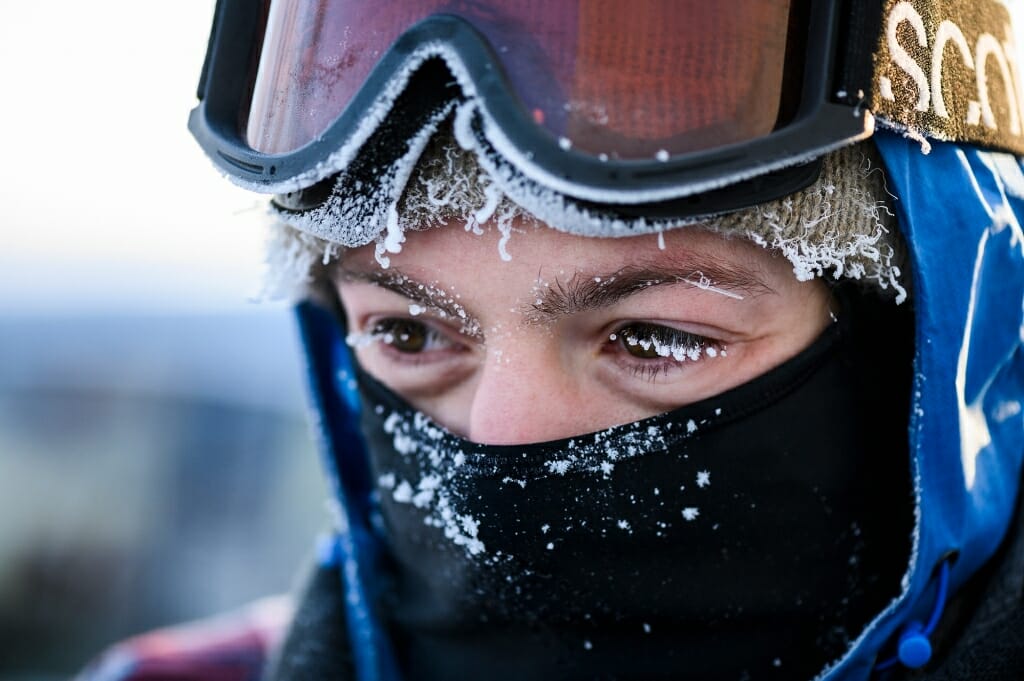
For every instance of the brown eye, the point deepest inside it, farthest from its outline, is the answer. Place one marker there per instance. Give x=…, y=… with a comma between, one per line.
x=638, y=345
x=403, y=335
x=651, y=341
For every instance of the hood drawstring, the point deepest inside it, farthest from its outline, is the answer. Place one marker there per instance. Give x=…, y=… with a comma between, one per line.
x=913, y=647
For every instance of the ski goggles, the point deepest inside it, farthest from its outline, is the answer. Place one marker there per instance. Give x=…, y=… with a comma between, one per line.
x=673, y=107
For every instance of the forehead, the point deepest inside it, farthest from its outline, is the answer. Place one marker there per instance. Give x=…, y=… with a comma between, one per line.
x=453, y=256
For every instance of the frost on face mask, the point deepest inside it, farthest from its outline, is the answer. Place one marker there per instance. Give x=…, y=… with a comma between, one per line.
x=438, y=474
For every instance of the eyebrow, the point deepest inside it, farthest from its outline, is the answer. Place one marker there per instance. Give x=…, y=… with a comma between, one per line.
x=426, y=295
x=584, y=291
x=587, y=291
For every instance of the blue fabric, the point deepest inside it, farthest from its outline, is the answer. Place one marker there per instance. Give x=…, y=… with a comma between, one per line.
x=357, y=550
x=960, y=210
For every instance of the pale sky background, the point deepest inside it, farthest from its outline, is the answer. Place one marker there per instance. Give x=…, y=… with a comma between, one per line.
x=107, y=201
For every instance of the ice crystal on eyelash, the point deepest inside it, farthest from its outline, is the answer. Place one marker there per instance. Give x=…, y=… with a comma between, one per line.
x=363, y=339
x=359, y=340
x=677, y=351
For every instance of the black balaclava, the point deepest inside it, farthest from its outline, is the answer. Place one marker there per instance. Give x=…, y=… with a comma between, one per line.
x=750, y=535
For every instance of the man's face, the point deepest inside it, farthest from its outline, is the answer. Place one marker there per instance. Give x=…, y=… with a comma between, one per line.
x=573, y=334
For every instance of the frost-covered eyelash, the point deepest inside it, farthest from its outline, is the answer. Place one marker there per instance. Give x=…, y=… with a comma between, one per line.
x=667, y=342
x=384, y=331
x=360, y=339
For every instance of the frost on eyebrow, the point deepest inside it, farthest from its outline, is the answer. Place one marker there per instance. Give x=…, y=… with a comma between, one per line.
x=703, y=282
x=587, y=291
x=423, y=297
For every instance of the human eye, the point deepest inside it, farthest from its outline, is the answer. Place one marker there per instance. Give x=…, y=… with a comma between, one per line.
x=649, y=350
x=419, y=358
x=404, y=336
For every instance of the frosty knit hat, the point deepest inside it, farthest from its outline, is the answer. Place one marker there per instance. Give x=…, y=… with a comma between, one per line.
x=839, y=227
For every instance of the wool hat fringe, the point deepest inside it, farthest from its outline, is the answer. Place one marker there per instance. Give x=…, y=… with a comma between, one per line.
x=839, y=227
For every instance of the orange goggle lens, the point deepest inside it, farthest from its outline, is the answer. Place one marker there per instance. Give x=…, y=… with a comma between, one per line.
x=633, y=80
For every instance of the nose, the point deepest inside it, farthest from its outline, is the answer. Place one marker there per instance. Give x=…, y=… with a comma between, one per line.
x=523, y=394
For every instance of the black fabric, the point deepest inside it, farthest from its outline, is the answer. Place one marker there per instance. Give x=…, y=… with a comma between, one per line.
x=613, y=555
x=987, y=644
x=317, y=644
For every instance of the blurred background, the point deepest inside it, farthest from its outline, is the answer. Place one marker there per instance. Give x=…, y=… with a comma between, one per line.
x=155, y=460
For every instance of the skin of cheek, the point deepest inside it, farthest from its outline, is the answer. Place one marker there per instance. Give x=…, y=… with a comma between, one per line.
x=530, y=383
